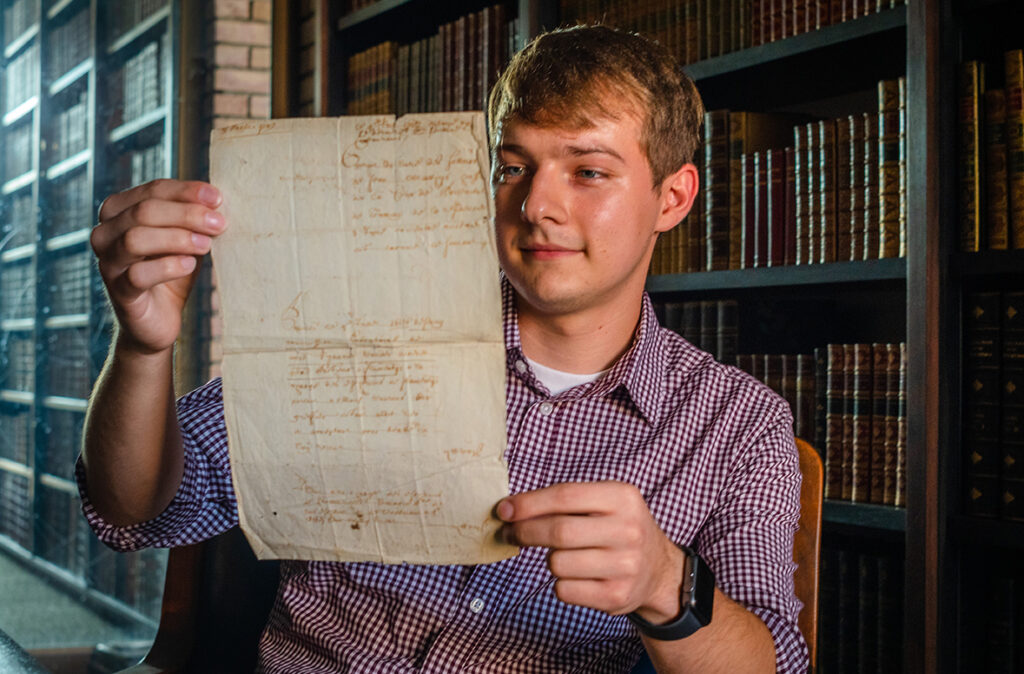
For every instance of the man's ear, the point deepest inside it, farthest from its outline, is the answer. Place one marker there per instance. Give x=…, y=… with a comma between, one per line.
x=678, y=192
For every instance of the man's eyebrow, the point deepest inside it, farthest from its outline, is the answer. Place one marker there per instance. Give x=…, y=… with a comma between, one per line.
x=583, y=150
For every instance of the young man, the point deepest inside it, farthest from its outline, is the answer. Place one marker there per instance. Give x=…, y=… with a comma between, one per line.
x=655, y=493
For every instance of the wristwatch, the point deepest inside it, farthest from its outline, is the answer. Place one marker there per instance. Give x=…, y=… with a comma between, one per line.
x=695, y=597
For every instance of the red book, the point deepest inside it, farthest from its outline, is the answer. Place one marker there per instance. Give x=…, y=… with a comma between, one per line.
x=761, y=221
x=749, y=181
x=776, y=169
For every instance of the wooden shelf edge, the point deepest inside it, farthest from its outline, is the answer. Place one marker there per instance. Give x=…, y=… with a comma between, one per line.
x=879, y=22
x=864, y=515
x=366, y=13
x=866, y=271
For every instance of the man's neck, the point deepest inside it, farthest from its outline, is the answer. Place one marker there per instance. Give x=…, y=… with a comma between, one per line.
x=580, y=343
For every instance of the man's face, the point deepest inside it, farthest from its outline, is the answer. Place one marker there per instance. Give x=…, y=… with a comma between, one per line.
x=575, y=214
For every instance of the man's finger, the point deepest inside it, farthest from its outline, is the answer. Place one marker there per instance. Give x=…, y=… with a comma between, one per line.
x=155, y=214
x=593, y=564
x=141, y=243
x=142, y=276
x=560, y=531
x=569, y=498
x=610, y=597
x=187, y=191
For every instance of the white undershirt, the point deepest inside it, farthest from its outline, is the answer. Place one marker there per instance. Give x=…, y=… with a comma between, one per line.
x=557, y=381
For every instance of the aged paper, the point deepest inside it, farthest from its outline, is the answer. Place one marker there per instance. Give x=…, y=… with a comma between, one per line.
x=363, y=351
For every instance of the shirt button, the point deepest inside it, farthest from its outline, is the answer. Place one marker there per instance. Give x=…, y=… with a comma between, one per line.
x=546, y=408
x=520, y=366
x=476, y=605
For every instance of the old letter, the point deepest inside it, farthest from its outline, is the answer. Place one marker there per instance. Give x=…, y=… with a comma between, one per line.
x=363, y=351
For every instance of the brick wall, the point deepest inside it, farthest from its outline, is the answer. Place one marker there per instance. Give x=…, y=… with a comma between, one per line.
x=238, y=37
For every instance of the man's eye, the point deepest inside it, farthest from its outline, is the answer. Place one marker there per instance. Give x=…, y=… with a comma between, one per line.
x=590, y=174
x=508, y=172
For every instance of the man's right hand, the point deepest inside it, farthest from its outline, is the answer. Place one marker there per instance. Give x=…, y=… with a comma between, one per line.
x=148, y=242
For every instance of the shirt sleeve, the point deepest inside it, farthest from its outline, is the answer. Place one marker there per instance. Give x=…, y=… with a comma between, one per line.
x=748, y=540
x=205, y=503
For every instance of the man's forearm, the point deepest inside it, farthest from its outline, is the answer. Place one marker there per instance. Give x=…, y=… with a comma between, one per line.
x=132, y=451
x=736, y=641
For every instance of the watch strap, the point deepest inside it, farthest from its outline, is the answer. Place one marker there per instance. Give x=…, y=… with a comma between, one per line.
x=696, y=598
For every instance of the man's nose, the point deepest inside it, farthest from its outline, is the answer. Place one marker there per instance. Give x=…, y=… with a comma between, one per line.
x=545, y=197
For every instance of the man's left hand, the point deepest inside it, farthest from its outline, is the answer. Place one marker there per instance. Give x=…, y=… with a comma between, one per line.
x=606, y=550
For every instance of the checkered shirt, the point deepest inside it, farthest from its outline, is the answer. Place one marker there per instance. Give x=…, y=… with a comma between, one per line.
x=710, y=448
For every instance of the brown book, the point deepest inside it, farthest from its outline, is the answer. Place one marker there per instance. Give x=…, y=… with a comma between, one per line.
x=761, y=215
x=902, y=85
x=827, y=189
x=860, y=440
x=447, y=31
x=708, y=338
x=801, y=202
x=745, y=362
x=891, y=434
x=776, y=230
x=748, y=184
x=1014, y=69
x=773, y=372
x=727, y=333
x=716, y=189
x=757, y=366
x=970, y=85
x=846, y=229
x=872, y=209
x=901, y=429
x=834, y=401
x=879, y=363
x=754, y=22
x=805, y=397
x=789, y=229
x=692, y=28
x=848, y=405
x=858, y=193
x=787, y=386
x=889, y=167
x=713, y=27
x=997, y=203
x=814, y=218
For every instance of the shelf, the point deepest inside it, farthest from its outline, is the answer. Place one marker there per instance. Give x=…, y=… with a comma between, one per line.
x=983, y=531
x=17, y=397
x=70, y=77
x=865, y=515
x=19, y=253
x=58, y=7
x=138, y=31
x=828, y=36
x=17, y=324
x=65, y=404
x=67, y=321
x=988, y=263
x=366, y=13
x=59, y=483
x=68, y=240
x=22, y=110
x=889, y=269
x=15, y=467
x=19, y=183
x=138, y=124
x=68, y=165
x=17, y=43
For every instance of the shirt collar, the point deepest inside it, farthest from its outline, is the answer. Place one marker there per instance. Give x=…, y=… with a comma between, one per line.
x=639, y=372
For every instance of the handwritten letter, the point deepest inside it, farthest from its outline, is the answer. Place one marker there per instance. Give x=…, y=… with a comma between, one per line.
x=363, y=352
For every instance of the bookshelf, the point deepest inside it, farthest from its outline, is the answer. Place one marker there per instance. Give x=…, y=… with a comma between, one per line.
x=913, y=298
x=87, y=109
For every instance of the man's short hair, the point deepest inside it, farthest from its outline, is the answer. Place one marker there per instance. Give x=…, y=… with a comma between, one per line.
x=571, y=77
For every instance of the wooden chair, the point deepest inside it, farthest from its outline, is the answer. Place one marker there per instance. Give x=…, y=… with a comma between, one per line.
x=217, y=595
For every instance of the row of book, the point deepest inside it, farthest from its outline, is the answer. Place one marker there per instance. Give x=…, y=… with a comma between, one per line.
x=18, y=290
x=69, y=282
x=140, y=83
x=18, y=423
x=453, y=69
x=17, y=361
x=860, y=611
x=19, y=16
x=710, y=325
x=837, y=192
x=19, y=146
x=21, y=78
x=995, y=641
x=126, y=14
x=69, y=133
x=693, y=30
x=72, y=204
x=993, y=392
x=991, y=156
x=68, y=44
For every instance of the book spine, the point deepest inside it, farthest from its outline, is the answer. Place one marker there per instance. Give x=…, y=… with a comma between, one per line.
x=788, y=383
x=845, y=226
x=814, y=201
x=460, y=62
x=889, y=167
x=901, y=430
x=1012, y=404
x=834, y=402
x=859, y=235
x=849, y=399
x=879, y=365
x=981, y=403
x=1014, y=69
x=902, y=88
x=761, y=217
x=776, y=230
x=997, y=203
x=708, y=326
x=867, y=613
x=827, y=189
x=804, y=409
x=789, y=227
x=773, y=372
x=692, y=322
x=728, y=331
x=860, y=441
x=800, y=198
x=748, y=204
x=737, y=149
x=716, y=191
x=819, y=426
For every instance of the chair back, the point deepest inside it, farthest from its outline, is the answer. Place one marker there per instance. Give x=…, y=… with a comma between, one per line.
x=807, y=544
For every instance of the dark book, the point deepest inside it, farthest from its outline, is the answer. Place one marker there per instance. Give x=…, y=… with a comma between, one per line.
x=826, y=130
x=872, y=209
x=834, y=401
x=773, y=372
x=1012, y=405
x=708, y=340
x=761, y=215
x=801, y=197
x=901, y=430
x=748, y=205
x=744, y=361
x=849, y=400
x=716, y=189
x=691, y=328
x=970, y=85
x=889, y=167
x=846, y=228
x=997, y=203
x=860, y=439
x=867, y=613
x=849, y=609
x=789, y=227
x=892, y=400
x=1014, y=73
x=889, y=621
x=671, y=316
x=727, y=331
x=828, y=611
x=776, y=229
x=879, y=373
x=757, y=366
x=806, y=399
x=1000, y=635
x=814, y=205
x=787, y=383
x=981, y=402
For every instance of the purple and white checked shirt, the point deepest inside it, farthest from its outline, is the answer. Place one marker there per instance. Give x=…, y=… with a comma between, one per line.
x=710, y=448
